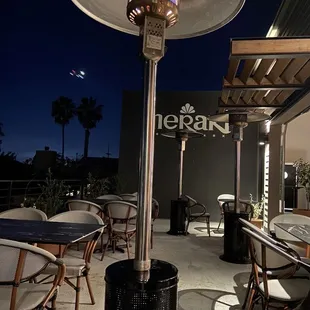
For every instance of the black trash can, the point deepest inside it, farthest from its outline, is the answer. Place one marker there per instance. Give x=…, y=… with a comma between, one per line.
x=124, y=292
x=236, y=243
x=178, y=217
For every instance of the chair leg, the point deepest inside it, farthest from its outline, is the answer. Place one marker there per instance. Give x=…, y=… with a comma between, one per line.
x=127, y=245
x=78, y=246
x=251, y=303
x=152, y=237
x=208, y=225
x=248, y=291
x=218, y=227
x=187, y=226
x=78, y=291
x=105, y=248
x=92, y=298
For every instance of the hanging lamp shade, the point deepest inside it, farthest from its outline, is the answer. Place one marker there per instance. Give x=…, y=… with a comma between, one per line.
x=182, y=134
x=251, y=117
x=196, y=17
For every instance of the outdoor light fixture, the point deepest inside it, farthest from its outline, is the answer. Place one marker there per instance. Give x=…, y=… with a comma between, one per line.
x=153, y=20
x=182, y=136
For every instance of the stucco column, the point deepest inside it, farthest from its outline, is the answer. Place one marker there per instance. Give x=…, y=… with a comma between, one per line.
x=274, y=189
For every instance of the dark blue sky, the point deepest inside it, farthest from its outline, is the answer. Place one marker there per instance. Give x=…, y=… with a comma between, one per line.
x=42, y=40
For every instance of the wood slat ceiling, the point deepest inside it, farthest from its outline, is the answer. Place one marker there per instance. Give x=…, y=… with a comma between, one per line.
x=263, y=73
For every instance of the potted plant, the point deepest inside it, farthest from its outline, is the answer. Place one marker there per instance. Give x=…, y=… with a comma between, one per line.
x=96, y=187
x=50, y=202
x=257, y=211
x=303, y=179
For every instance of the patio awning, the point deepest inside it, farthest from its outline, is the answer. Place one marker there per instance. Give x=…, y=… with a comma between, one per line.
x=263, y=73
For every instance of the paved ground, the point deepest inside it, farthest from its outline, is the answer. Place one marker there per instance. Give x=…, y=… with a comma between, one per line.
x=206, y=282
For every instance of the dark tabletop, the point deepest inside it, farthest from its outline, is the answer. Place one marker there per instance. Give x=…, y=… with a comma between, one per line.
x=45, y=231
x=301, y=232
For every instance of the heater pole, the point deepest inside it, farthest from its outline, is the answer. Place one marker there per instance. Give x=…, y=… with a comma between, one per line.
x=181, y=155
x=237, y=175
x=144, y=216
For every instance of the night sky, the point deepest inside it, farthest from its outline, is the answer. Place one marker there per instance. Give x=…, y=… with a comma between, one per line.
x=42, y=40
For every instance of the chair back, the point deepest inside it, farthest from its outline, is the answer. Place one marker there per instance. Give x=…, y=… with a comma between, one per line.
x=155, y=209
x=224, y=197
x=244, y=207
x=30, y=214
x=83, y=205
x=288, y=219
x=110, y=197
x=21, y=262
x=121, y=210
x=129, y=197
x=82, y=217
x=274, y=260
x=194, y=206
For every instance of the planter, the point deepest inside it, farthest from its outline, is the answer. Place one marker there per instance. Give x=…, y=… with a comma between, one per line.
x=55, y=249
x=257, y=222
x=304, y=212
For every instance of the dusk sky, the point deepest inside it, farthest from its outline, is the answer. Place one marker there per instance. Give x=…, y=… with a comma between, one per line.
x=42, y=40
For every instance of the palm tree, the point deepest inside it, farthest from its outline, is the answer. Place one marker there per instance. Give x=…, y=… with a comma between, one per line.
x=89, y=114
x=63, y=110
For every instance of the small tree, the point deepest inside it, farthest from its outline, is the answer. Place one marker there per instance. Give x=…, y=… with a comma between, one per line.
x=303, y=176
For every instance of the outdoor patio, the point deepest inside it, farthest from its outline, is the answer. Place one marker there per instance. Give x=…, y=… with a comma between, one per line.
x=206, y=282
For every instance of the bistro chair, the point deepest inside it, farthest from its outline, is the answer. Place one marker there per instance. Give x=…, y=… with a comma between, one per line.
x=221, y=199
x=120, y=214
x=195, y=211
x=30, y=214
x=129, y=197
x=110, y=197
x=286, y=291
x=293, y=242
x=84, y=205
x=77, y=268
x=21, y=263
x=281, y=267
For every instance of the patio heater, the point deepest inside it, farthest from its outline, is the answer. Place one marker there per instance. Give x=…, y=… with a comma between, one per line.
x=143, y=283
x=177, y=211
x=235, y=242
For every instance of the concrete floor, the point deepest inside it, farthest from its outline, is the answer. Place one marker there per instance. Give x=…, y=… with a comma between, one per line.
x=206, y=282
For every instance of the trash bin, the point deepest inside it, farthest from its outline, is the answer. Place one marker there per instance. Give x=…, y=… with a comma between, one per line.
x=124, y=292
x=236, y=243
x=178, y=217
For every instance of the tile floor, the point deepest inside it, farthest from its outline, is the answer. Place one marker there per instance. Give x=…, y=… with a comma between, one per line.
x=206, y=282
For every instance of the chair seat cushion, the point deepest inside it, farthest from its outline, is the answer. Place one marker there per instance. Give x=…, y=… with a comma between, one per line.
x=74, y=267
x=120, y=228
x=29, y=296
x=287, y=289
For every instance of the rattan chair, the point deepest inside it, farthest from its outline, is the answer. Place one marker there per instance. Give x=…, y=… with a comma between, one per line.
x=110, y=197
x=30, y=214
x=195, y=211
x=281, y=267
x=78, y=268
x=20, y=264
x=124, y=212
x=129, y=197
x=286, y=291
x=220, y=200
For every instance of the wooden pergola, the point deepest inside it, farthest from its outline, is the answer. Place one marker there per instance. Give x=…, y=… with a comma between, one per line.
x=263, y=73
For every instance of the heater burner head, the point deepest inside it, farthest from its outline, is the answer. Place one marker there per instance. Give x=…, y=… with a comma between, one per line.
x=239, y=117
x=164, y=9
x=182, y=134
x=196, y=17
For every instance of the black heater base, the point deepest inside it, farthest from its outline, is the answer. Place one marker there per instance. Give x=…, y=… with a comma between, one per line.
x=236, y=244
x=124, y=292
x=178, y=217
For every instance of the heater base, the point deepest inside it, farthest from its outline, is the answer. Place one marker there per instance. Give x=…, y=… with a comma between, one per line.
x=124, y=292
x=236, y=243
x=178, y=217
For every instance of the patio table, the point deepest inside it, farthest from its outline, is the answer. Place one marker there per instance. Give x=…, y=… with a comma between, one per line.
x=60, y=233
x=301, y=232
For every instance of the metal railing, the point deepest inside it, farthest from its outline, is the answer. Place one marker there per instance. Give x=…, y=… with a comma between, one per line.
x=13, y=192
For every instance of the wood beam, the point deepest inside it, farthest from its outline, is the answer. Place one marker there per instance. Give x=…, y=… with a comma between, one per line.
x=248, y=96
x=242, y=104
x=265, y=84
x=247, y=70
x=280, y=47
x=283, y=96
x=278, y=69
x=232, y=69
x=293, y=68
x=263, y=69
x=304, y=73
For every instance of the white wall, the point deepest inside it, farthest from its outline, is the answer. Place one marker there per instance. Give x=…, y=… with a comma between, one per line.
x=297, y=145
